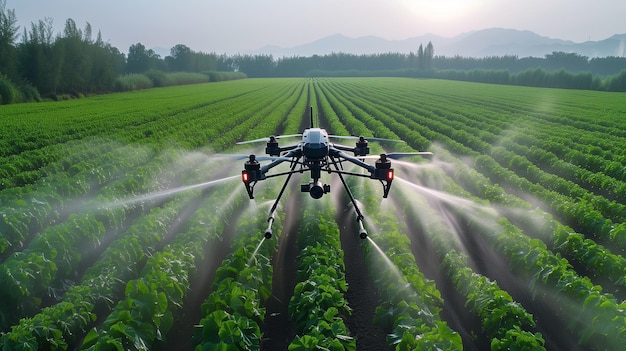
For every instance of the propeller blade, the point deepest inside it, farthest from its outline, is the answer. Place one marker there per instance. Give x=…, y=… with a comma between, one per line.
x=266, y=139
x=343, y=147
x=258, y=158
x=398, y=155
x=349, y=137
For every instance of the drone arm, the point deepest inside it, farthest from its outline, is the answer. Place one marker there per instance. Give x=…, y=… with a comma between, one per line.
x=343, y=147
x=253, y=172
x=356, y=161
x=359, y=215
x=288, y=148
x=272, y=213
x=288, y=156
x=382, y=171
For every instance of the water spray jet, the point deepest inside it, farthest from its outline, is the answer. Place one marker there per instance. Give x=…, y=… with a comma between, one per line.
x=256, y=251
x=167, y=192
x=389, y=263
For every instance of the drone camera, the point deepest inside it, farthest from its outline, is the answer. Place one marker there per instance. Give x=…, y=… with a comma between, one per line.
x=316, y=190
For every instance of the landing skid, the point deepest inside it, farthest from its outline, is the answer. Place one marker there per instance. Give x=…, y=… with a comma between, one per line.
x=272, y=211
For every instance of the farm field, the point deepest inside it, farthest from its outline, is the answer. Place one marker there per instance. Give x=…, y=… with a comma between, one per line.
x=120, y=228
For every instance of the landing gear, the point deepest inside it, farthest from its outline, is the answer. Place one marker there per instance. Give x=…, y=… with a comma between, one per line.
x=359, y=215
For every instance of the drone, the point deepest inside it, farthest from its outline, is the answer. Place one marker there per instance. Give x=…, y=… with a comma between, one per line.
x=316, y=154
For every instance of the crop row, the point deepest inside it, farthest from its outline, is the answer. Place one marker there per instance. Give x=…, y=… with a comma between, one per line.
x=233, y=313
x=399, y=256
x=596, y=259
x=31, y=208
x=504, y=322
x=592, y=222
x=567, y=272
x=31, y=127
x=154, y=320
x=411, y=311
x=531, y=257
x=57, y=251
x=151, y=302
x=457, y=132
x=60, y=198
x=162, y=122
x=490, y=126
x=501, y=317
x=543, y=267
x=121, y=260
x=318, y=306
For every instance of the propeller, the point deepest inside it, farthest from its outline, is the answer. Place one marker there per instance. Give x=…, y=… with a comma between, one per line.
x=267, y=139
x=398, y=155
x=364, y=138
x=247, y=157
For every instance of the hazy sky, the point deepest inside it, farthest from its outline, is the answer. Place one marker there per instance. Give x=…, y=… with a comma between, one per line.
x=231, y=26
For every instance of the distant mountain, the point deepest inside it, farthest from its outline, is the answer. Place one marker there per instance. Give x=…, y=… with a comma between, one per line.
x=341, y=43
x=481, y=43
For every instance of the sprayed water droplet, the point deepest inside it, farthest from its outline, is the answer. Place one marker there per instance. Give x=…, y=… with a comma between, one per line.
x=253, y=257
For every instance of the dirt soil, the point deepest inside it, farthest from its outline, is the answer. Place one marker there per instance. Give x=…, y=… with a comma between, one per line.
x=362, y=298
x=180, y=337
x=278, y=329
x=361, y=295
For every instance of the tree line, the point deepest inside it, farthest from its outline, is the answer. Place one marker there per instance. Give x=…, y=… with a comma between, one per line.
x=555, y=70
x=37, y=62
x=47, y=64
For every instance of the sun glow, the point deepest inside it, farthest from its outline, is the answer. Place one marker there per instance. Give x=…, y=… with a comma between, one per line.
x=443, y=10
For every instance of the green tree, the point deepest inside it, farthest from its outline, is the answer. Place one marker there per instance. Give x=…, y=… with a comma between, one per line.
x=141, y=59
x=106, y=64
x=568, y=61
x=76, y=66
x=87, y=65
x=420, y=58
x=8, y=35
x=429, y=53
x=617, y=82
x=39, y=59
x=201, y=62
x=259, y=65
x=179, y=59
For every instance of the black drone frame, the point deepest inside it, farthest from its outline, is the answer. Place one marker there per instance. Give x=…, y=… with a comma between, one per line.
x=333, y=163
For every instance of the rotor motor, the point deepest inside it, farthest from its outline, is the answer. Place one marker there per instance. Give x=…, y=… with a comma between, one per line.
x=361, y=148
x=272, y=147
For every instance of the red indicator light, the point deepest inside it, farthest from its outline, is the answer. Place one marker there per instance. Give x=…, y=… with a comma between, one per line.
x=390, y=175
x=245, y=176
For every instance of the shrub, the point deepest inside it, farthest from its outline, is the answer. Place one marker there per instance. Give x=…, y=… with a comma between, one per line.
x=618, y=82
x=220, y=76
x=157, y=77
x=183, y=78
x=29, y=93
x=8, y=92
x=132, y=82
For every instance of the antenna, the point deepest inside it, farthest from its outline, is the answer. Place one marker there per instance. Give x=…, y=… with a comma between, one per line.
x=311, y=116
